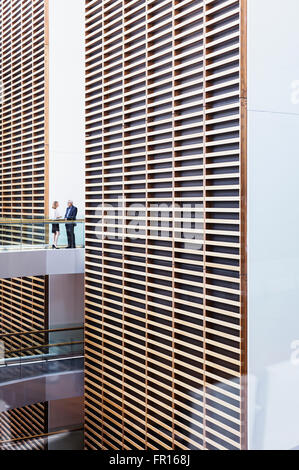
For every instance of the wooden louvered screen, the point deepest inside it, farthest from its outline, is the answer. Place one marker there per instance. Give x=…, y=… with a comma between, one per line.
x=23, y=150
x=23, y=73
x=24, y=307
x=165, y=334
x=31, y=420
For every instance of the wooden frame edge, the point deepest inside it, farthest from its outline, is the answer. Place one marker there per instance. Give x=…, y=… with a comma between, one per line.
x=243, y=198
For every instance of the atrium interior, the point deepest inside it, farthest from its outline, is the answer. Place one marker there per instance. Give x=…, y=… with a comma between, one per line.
x=148, y=225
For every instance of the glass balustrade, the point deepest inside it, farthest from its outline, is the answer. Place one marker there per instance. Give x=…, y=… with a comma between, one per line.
x=30, y=354
x=29, y=234
x=69, y=439
x=44, y=359
x=52, y=424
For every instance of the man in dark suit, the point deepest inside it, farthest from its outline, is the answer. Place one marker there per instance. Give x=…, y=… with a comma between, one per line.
x=71, y=214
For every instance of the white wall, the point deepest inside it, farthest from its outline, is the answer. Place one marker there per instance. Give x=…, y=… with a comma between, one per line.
x=273, y=223
x=66, y=102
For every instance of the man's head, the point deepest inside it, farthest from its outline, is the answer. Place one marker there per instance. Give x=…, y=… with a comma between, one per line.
x=69, y=203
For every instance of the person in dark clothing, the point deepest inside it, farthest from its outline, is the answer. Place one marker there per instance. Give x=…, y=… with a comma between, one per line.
x=71, y=214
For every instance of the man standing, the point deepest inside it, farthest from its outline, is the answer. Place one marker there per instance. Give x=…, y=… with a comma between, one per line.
x=71, y=214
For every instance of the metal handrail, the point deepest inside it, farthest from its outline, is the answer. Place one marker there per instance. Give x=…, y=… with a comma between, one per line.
x=40, y=346
x=34, y=332
x=39, y=221
x=37, y=436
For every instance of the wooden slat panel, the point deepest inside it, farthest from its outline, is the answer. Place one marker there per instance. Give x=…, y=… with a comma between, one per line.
x=164, y=324
x=23, y=154
x=24, y=422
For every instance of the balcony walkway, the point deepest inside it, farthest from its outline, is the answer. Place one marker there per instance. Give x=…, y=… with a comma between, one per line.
x=25, y=384
x=40, y=261
x=26, y=248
